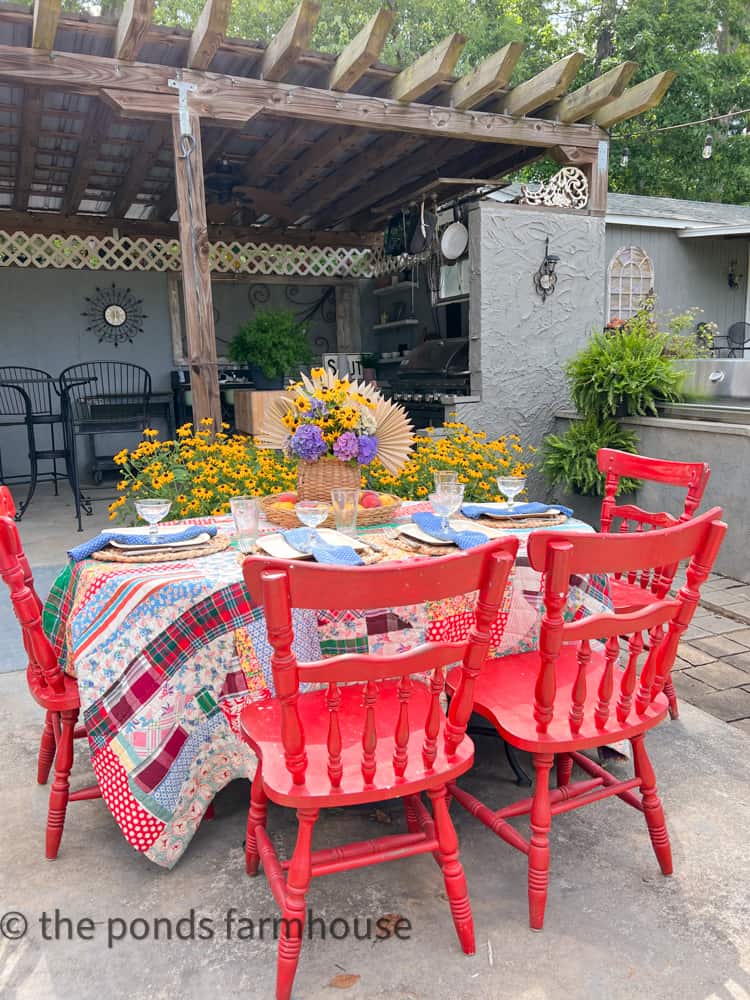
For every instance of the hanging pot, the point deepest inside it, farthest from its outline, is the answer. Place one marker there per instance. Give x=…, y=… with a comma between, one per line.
x=454, y=239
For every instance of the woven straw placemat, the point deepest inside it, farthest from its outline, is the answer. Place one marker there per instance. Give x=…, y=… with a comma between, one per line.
x=516, y=522
x=217, y=544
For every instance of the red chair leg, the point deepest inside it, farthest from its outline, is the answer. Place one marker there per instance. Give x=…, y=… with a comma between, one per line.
x=58, y=798
x=669, y=691
x=256, y=817
x=412, y=823
x=293, y=915
x=652, y=807
x=541, y=821
x=453, y=873
x=564, y=766
x=46, y=751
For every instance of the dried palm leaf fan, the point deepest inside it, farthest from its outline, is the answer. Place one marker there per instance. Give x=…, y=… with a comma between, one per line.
x=393, y=429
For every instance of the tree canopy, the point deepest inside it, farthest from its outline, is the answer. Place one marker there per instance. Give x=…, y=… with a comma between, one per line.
x=707, y=42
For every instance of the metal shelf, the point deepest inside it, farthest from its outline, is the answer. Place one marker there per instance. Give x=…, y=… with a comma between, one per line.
x=399, y=286
x=396, y=323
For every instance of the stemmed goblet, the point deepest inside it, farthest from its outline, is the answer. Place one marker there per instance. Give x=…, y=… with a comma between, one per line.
x=446, y=501
x=511, y=486
x=153, y=511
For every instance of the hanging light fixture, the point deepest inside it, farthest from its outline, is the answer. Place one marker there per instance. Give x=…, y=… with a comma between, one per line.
x=625, y=160
x=708, y=147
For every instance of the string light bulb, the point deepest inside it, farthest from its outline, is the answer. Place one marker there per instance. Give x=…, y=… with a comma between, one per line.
x=708, y=147
x=625, y=160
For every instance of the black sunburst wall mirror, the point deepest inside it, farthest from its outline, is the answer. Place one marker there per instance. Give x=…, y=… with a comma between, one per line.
x=115, y=315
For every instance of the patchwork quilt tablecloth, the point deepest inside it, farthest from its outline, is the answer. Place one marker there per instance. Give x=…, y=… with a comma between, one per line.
x=166, y=655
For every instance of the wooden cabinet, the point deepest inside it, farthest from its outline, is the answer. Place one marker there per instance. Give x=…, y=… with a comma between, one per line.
x=250, y=408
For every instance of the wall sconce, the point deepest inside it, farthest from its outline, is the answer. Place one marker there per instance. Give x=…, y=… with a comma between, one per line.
x=733, y=278
x=545, y=278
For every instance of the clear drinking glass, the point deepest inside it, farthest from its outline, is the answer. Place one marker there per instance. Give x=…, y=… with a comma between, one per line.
x=246, y=514
x=511, y=486
x=446, y=502
x=152, y=511
x=311, y=513
x=345, y=507
x=444, y=477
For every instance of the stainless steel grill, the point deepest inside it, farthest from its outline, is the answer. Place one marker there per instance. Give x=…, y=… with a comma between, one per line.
x=433, y=371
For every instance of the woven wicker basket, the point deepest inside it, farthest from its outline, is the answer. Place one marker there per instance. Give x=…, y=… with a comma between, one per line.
x=315, y=480
x=367, y=517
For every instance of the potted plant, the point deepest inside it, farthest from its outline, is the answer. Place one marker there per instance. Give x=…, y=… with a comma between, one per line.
x=569, y=459
x=624, y=372
x=273, y=343
x=369, y=366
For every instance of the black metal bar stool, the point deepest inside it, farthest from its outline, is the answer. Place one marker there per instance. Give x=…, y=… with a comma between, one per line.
x=29, y=397
x=101, y=397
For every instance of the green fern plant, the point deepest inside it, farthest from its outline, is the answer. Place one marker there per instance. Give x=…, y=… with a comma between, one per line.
x=569, y=459
x=625, y=372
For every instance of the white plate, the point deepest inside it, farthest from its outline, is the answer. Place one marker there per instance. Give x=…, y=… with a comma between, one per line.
x=414, y=532
x=276, y=545
x=163, y=542
x=502, y=510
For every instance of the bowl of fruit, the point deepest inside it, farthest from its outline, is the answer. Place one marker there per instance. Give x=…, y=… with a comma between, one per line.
x=374, y=508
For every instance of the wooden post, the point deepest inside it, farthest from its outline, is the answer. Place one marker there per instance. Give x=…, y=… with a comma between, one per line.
x=196, y=273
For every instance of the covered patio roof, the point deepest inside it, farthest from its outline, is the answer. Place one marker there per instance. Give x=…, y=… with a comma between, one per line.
x=316, y=148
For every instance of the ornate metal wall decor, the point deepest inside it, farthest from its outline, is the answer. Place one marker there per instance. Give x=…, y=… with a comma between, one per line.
x=545, y=278
x=115, y=315
x=568, y=188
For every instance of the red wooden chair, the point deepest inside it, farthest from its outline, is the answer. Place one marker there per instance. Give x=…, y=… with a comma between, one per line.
x=372, y=734
x=569, y=696
x=49, y=686
x=637, y=588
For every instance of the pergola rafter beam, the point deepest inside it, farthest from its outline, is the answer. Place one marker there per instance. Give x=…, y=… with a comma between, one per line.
x=132, y=28
x=486, y=79
x=157, y=136
x=293, y=38
x=208, y=33
x=592, y=95
x=546, y=86
x=635, y=100
x=428, y=71
x=362, y=51
x=44, y=25
x=93, y=133
x=31, y=117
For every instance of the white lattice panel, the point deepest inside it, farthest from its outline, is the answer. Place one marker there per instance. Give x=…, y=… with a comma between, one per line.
x=110, y=253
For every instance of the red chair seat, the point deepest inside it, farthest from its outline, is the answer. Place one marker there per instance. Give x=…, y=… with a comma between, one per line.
x=628, y=596
x=261, y=727
x=504, y=694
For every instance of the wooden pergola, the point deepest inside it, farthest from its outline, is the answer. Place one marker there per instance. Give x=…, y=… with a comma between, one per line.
x=107, y=124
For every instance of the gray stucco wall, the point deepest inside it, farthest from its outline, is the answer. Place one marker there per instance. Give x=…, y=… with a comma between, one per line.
x=690, y=272
x=520, y=344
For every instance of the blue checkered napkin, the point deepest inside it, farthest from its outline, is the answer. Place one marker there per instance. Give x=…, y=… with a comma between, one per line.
x=310, y=542
x=85, y=549
x=431, y=525
x=498, y=509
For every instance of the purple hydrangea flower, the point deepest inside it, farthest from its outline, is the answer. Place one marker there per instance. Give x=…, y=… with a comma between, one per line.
x=308, y=443
x=346, y=446
x=368, y=447
x=318, y=408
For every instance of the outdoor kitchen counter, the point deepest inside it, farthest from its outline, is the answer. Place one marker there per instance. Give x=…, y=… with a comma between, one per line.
x=726, y=448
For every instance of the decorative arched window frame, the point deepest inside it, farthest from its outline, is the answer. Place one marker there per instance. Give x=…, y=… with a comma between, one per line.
x=630, y=280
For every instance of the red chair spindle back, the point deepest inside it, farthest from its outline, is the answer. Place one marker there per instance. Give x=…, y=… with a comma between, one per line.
x=284, y=586
x=560, y=554
x=615, y=465
x=15, y=571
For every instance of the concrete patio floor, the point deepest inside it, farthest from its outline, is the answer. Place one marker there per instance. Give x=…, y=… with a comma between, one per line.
x=615, y=929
